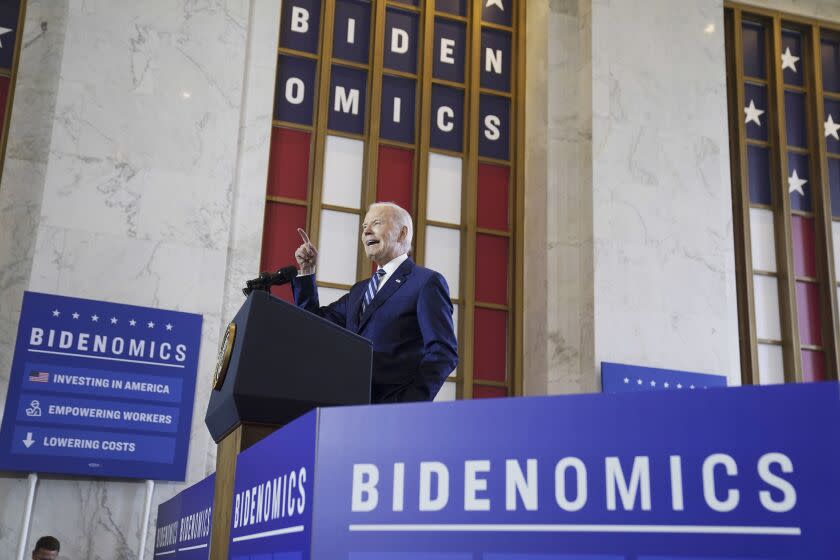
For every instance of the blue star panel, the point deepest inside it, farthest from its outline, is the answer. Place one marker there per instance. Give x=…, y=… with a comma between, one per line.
x=294, y=92
x=447, y=131
x=758, y=95
x=834, y=186
x=793, y=40
x=495, y=59
x=498, y=11
x=752, y=38
x=300, y=21
x=830, y=53
x=396, y=120
x=758, y=159
x=9, y=12
x=623, y=378
x=400, y=41
x=797, y=130
x=100, y=389
x=457, y=7
x=450, y=50
x=799, y=163
x=351, y=34
x=347, y=99
x=494, y=130
x=832, y=108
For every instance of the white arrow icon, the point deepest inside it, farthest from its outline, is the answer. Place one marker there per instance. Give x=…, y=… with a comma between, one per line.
x=28, y=441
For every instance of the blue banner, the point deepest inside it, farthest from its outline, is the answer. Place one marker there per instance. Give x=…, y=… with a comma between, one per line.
x=273, y=495
x=184, y=522
x=166, y=528
x=624, y=378
x=195, y=520
x=730, y=474
x=101, y=389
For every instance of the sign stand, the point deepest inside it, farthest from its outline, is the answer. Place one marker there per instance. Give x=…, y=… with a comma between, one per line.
x=27, y=515
x=147, y=512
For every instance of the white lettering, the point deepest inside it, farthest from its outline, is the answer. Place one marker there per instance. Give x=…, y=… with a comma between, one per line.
x=300, y=20
x=447, y=50
x=731, y=468
x=427, y=469
x=365, y=495
x=442, y=124
x=560, y=484
x=788, y=500
x=346, y=103
x=517, y=483
x=639, y=481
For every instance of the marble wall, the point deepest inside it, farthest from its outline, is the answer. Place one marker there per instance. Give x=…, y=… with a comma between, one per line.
x=137, y=160
x=640, y=256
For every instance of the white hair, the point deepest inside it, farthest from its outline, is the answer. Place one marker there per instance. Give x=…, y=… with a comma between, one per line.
x=401, y=218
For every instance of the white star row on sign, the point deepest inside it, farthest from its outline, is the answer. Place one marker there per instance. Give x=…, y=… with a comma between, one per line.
x=114, y=320
x=653, y=383
x=831, y=128
x=795, y=183
x=788, y=60
x=753, y=113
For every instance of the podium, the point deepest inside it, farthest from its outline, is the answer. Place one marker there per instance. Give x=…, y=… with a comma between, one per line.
x=276, y=362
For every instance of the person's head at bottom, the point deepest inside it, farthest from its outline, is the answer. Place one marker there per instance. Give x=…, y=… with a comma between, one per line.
x=386, y=232
x=46, y=549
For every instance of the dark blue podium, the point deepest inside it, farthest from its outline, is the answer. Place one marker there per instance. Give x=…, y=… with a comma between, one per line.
x=276, y=362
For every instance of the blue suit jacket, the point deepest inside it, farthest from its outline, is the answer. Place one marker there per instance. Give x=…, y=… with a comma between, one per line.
x=409, y=323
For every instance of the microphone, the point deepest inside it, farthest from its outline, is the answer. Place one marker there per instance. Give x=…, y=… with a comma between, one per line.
x=267, y=279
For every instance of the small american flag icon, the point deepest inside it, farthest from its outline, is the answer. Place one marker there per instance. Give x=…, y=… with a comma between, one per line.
x=39, y=377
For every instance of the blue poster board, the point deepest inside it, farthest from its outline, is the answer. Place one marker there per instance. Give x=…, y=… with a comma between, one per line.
x=273, y=495
x=624, y=378
x=184, y=522
x=702, y=475
x=100, y=389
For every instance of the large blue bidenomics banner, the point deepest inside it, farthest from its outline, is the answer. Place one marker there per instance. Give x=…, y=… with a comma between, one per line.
x=101, y=389
x=720, y=474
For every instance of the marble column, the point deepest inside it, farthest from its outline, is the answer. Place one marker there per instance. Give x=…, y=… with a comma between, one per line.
x=640, y=252
x=136, y=164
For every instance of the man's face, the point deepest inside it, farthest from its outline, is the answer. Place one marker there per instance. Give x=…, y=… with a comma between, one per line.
x=381, y=237
x=41, y=554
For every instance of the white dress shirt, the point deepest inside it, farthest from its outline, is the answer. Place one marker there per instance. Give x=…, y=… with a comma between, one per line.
x=390, y=268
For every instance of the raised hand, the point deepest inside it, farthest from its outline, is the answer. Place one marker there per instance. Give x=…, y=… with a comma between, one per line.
x=306, y=255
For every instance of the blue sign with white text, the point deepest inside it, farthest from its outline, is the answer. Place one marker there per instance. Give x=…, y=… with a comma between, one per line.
x=273, y=495
x=183, y=523
x=732, y=474
x=701, y=475
x=100, y=389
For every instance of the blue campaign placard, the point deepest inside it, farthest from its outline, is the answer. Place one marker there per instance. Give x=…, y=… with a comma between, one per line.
x=396, y=119
x=166, y=528
x=495, y=59
x=400, y=40
x=727, y=474
x=100, y=389
x=347, y=99
x=497, y=11
x=294, y=91
x=450, y=50
x=273, y=495
x=625, y=378
x=195, y=520
x=300, y=21
x=494, y=137
x=9, y=13
x=351, y=30
x=447, y=129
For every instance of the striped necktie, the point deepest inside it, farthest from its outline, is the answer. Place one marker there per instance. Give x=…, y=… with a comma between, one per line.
x=371, y=289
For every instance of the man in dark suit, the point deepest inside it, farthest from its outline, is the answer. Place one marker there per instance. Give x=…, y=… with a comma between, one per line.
x=403, y=309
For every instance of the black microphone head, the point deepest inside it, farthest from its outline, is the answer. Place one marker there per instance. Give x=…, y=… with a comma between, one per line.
x=287, y=273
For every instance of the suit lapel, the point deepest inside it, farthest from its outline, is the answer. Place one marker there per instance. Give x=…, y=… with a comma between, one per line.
x=354, y=306
x=394, y=283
